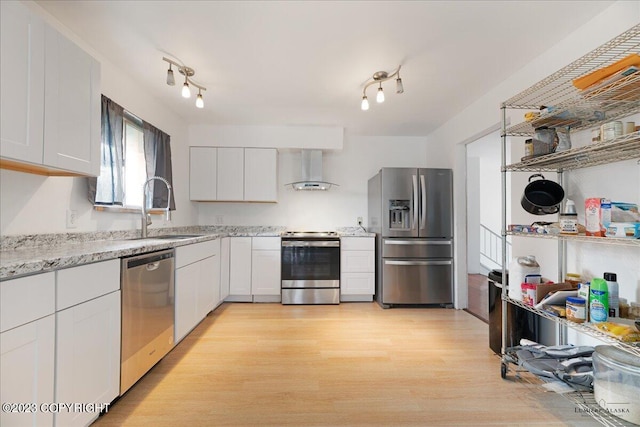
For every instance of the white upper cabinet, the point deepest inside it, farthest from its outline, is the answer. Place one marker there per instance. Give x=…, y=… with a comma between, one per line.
x=260, y=174
x=50, y=95
x=203, y=173
x=231, y=174
x=72, y=106
x=21, y=83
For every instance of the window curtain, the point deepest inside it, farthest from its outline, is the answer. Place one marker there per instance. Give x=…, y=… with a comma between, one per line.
x=108, y=187
x=157, y=153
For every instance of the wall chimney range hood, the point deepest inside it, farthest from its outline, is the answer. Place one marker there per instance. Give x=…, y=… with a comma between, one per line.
x=311, y=161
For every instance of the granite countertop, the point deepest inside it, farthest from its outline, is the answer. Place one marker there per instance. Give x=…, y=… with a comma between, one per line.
x=29, y=254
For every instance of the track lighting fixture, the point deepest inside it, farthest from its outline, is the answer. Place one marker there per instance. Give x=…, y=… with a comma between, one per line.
x=171, y=81
x=199, y=100
x=187, y=72
x=379, y=77
x=365, y=103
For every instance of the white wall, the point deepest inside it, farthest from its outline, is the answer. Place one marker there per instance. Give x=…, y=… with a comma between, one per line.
x=37, y=204
x=350, y=168
x=485, y=112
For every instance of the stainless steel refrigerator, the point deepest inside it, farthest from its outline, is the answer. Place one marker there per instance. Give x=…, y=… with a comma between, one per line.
x=411, y=212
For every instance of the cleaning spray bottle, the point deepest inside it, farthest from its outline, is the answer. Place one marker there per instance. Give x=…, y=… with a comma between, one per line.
x=598, y=301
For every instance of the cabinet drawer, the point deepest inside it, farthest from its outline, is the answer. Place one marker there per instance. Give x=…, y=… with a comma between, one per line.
x=26, y=299
x=79, y=284
x=357, y=262
x=189, y=254
x=357, y=243
x=357, y=284
x=265, y=243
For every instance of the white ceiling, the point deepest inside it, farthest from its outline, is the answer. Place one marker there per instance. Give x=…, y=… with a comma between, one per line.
x=306, y=62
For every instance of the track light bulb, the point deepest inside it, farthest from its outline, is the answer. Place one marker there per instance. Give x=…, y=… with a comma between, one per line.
x=199, y=100
x=186, y=92
x=399, y=87
x=380, y=95
x=365, y=103
x=170, y=79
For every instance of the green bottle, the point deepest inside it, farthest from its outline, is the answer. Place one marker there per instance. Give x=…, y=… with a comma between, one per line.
x=598, y=301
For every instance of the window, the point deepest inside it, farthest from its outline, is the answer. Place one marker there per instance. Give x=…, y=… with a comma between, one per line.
x=134, y=165
x=132, y=151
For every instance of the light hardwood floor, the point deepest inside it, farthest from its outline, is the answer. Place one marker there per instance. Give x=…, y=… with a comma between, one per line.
x=347, y=365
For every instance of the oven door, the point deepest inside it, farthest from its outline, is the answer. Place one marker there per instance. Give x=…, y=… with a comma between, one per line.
x=310, y=264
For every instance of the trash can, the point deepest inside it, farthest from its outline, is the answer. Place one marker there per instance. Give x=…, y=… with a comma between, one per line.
x=521, y=323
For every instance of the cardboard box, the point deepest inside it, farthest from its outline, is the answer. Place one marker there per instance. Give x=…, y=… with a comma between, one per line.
x=533, y=293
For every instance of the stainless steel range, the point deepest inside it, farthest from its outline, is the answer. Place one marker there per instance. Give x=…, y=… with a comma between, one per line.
x=310, y=267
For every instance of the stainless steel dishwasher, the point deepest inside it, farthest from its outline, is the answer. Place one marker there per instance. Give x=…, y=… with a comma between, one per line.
x=147, y=285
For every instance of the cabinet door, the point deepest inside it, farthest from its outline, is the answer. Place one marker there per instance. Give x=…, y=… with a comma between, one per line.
x=186, y=291
x=240, y=268
x=208, y=286
x=21, y=83
x=26, y=299
x=203, y=173
x=224, y=268
x=87, y=356
x=72, y=283
x=72, y=106
x=27, y=371
x=357, y=284
x=265, y=273
x=260, y=174
x=357, y=261
x=230, y=174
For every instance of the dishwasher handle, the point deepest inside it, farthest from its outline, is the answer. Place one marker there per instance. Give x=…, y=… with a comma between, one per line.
x=153, y=266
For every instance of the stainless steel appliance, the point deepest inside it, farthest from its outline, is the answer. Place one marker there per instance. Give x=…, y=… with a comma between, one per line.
x=147, y=283
x=411, y=212
x=310, y=268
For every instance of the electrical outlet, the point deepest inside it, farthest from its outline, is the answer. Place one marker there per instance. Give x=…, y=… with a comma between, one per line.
x=360, y=221
x=219, y=219
x=72, y=218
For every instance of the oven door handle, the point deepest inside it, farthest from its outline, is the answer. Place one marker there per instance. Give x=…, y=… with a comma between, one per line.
x=311, y=243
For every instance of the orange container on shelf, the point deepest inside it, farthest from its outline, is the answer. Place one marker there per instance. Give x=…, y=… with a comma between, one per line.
x=602, y=73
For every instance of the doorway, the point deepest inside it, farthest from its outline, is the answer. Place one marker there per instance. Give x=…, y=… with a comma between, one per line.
x=484, y=221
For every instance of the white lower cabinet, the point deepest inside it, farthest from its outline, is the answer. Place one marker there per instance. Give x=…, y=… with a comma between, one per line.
x=265, y=269
x=87, y=358
x=27, y=353
x=224, y=268
x=357, y=268
x=240, y=269
x=186, y=301
x=197, y=285
x=88, y=320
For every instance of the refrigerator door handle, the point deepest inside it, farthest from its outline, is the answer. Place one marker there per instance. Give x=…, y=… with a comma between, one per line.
x=417, y=242
x=414, y=179
x=394, y=262
x=423, y=212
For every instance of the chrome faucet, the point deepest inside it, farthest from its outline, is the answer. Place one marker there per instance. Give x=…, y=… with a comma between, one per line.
x=146, y=216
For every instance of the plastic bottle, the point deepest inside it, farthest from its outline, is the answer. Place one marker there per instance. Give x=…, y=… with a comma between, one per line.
x=569, y=219
x=598, y=301
x=612, y=288
x=518, y=269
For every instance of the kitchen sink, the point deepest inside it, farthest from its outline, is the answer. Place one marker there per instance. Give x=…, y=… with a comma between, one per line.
x=167, y=237
x=176, y=236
